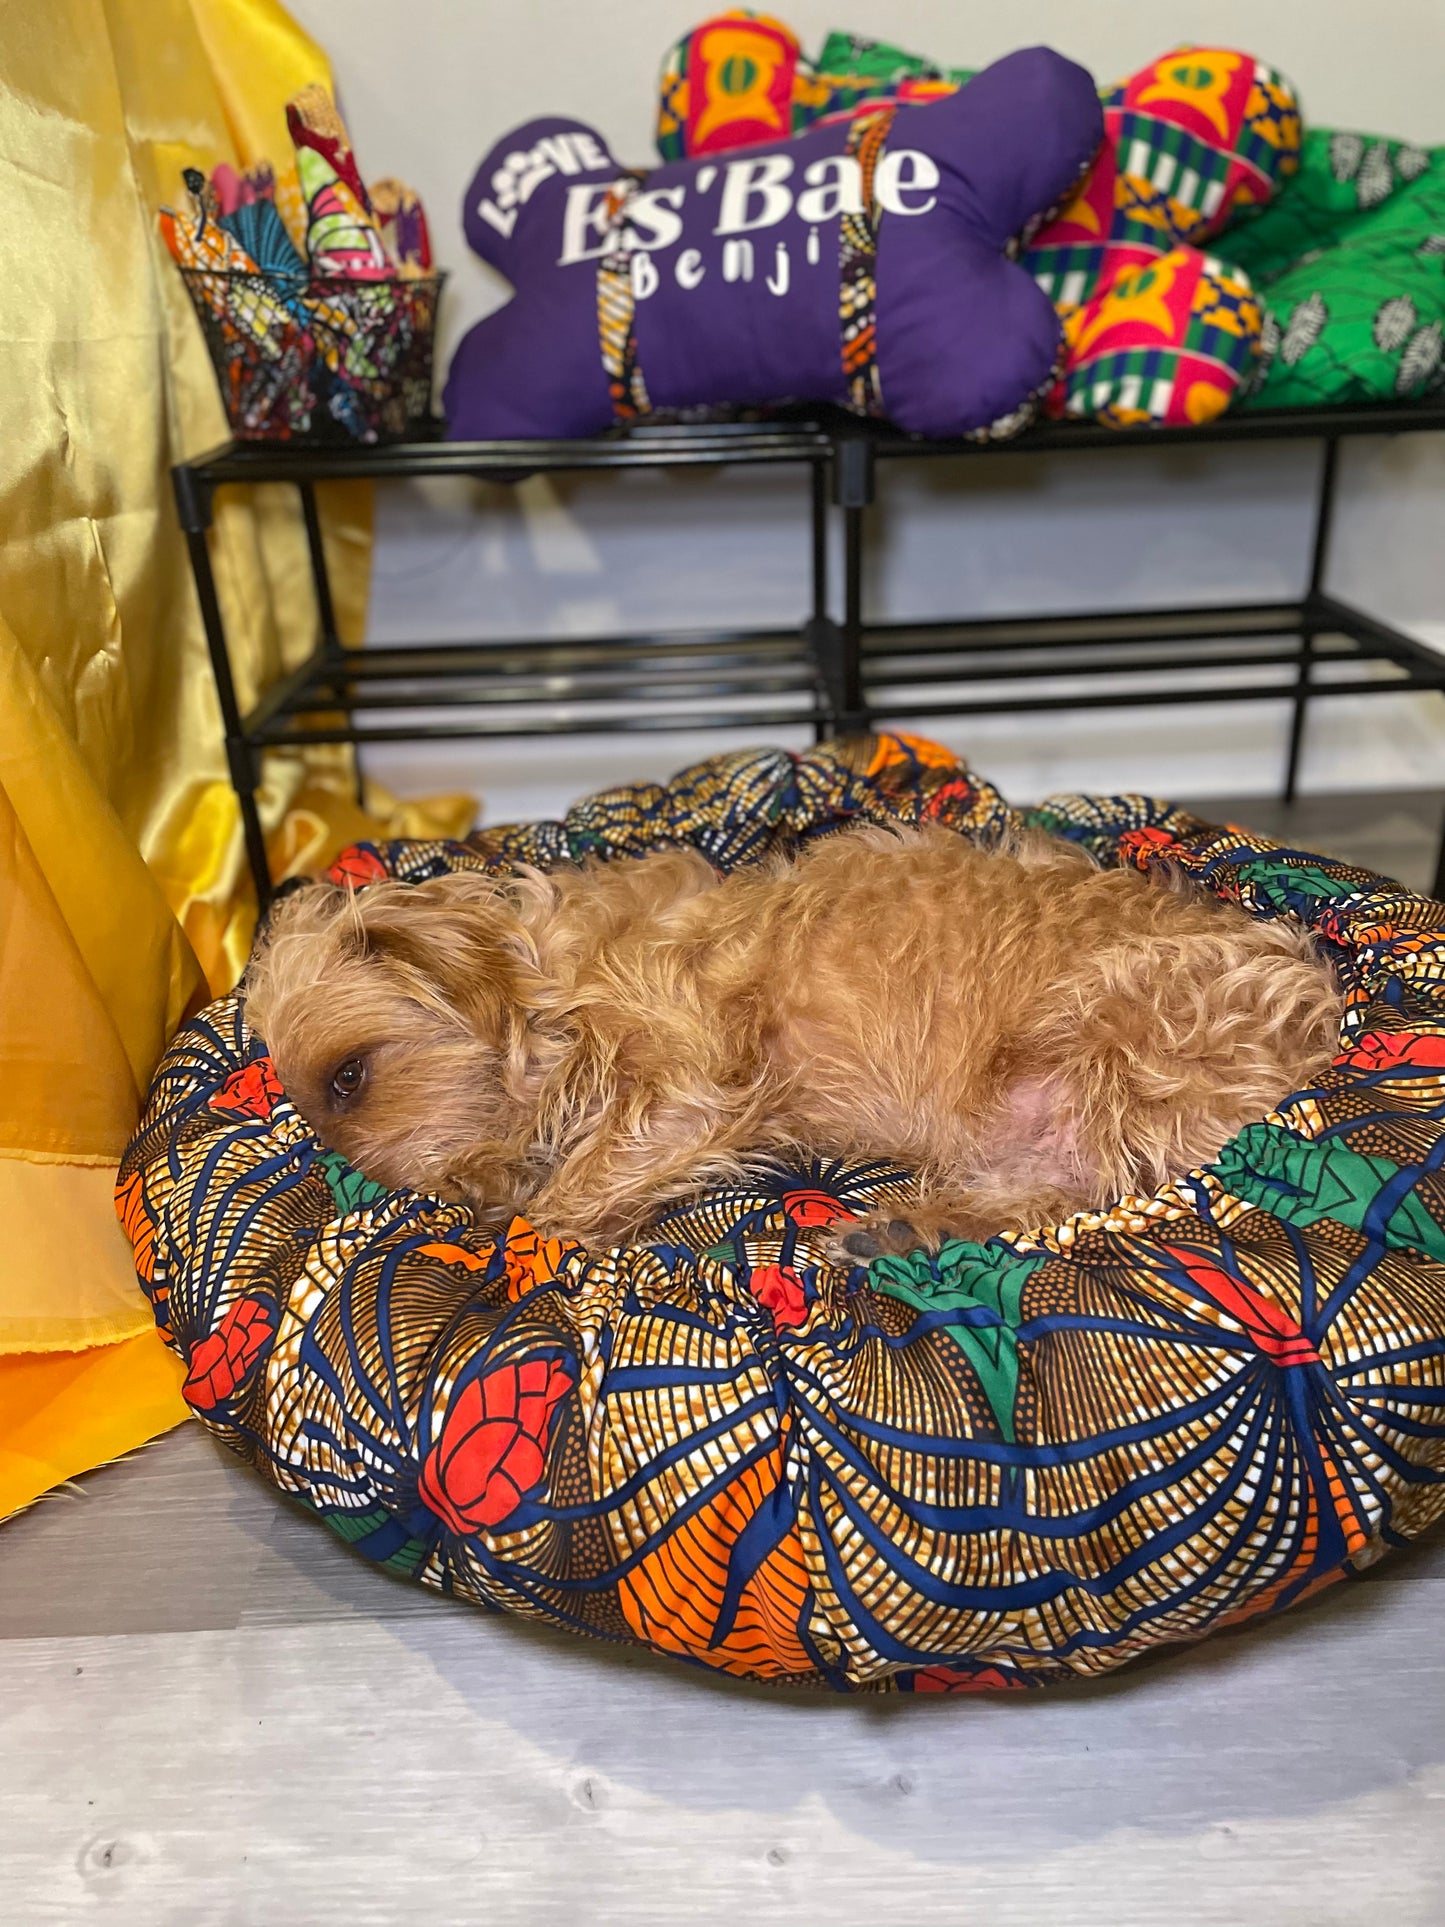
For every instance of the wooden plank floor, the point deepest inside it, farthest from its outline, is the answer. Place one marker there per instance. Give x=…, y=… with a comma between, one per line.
x=213, y=1712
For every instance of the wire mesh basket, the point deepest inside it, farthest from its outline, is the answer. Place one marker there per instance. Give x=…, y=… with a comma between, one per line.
x=326, y=359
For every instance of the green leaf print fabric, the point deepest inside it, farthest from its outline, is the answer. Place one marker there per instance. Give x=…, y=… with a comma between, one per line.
x=1350, y=262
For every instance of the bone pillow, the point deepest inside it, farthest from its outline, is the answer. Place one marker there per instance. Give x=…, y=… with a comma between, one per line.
x=724, y=282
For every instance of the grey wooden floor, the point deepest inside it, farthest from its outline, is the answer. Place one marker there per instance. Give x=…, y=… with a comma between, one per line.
x=212, y=1712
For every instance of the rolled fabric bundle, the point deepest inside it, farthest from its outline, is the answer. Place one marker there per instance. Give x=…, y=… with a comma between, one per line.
x=402, y=220
x=341, y=236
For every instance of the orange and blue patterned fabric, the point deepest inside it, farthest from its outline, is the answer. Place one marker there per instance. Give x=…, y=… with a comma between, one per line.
x=1013, y=1463
x=1156, y=328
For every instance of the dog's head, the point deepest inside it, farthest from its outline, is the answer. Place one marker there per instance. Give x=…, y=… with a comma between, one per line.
x=397, y=1021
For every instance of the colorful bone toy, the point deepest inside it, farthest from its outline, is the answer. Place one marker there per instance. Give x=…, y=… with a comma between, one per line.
x=1156, y=329
x=865, y=263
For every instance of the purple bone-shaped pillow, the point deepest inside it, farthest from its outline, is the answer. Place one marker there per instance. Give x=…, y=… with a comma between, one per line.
x=759, y=278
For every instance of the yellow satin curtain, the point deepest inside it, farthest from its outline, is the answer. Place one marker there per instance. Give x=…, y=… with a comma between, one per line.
x=123, y=892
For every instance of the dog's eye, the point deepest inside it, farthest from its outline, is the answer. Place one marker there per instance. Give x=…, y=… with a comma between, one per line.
x=348, y=1078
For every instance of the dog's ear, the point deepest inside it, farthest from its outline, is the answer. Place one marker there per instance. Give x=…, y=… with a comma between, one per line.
x=300, y=907
x=455, y=946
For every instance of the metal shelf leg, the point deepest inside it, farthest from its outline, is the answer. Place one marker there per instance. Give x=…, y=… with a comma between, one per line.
x=325, y=609
x=241, y=758
x=820, y=632
x=854, y=483
x=1319, y=561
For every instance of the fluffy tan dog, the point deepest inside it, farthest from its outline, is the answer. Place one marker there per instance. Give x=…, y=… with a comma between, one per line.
x=1029, y=1033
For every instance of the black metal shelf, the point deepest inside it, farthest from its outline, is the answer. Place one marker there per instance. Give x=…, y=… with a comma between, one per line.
x=833, y=675
x=768, y=443
x=1263, y=425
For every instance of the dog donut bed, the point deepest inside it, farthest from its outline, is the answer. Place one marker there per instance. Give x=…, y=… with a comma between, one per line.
x=1012, y=1463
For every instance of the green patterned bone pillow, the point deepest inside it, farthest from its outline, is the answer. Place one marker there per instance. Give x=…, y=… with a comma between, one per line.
x=1350, y=261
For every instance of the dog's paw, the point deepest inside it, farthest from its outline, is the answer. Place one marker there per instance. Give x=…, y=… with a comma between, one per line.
x=880, y=1235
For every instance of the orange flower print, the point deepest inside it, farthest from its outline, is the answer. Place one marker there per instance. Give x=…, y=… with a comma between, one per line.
x=781, y=1292
x=808, y=1209
x=944, y=1679
x=956, y=790
x=222, y=1359
x=1267, y=1325
x=1380, y=1050
x=357, y=866
x=493, y=1444
x=1137, y=846
x=897, y=746
x=251, y=1091
x=531, y=1259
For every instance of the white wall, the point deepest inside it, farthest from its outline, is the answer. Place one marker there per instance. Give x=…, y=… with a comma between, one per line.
x=428, y=87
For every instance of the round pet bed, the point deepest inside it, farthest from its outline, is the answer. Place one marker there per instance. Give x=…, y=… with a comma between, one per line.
x=1013, y=1463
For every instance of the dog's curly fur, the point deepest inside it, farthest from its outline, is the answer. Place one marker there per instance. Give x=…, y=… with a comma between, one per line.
x=1029, y=1033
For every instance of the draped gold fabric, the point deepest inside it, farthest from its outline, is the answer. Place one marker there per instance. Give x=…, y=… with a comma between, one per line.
x=123, y=892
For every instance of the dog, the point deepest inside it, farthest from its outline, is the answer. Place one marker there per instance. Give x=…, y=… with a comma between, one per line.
x=1029, y=1034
